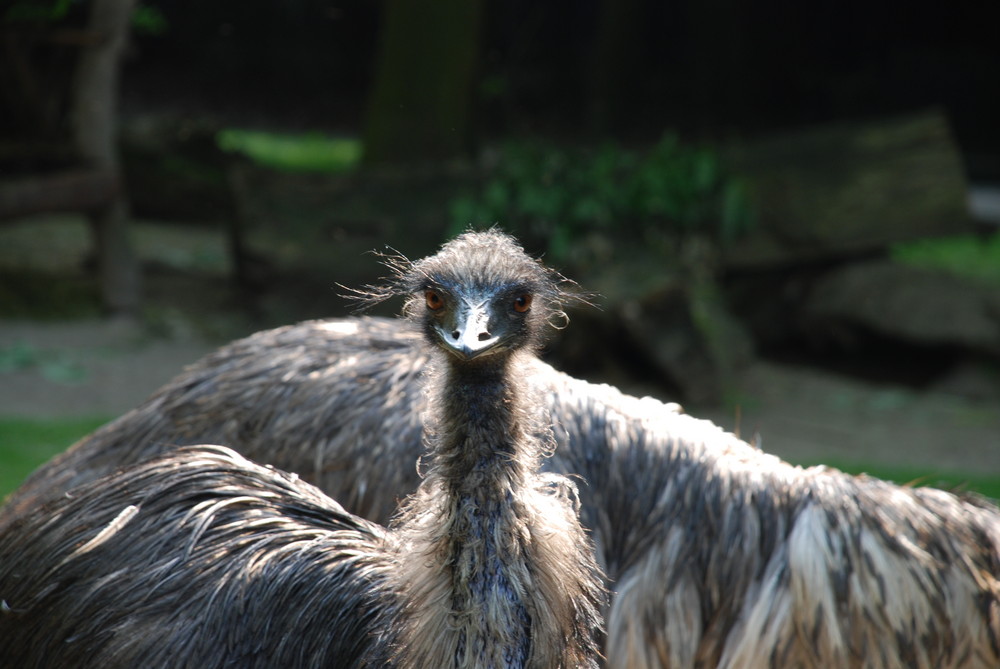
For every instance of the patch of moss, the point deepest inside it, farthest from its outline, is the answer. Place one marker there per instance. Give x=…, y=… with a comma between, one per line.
x=969, y=256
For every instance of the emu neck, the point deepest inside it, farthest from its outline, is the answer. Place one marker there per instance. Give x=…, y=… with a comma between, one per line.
x=481, y=449
x=481, y=460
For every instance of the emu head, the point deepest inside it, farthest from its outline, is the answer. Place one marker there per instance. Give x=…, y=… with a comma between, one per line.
x=479, y=296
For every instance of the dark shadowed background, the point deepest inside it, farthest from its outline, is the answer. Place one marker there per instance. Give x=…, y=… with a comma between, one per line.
x=787, y=211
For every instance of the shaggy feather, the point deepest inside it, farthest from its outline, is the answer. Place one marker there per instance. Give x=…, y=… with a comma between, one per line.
x=715, y=551
x=200, y=558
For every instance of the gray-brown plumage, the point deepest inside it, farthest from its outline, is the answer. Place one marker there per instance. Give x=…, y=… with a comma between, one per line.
x=717, y=554
x=197, y=558
x=200, y=558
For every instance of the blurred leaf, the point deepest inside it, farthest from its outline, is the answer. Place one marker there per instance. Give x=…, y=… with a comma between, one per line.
x=497, y=196
x=464, y=212
x=559, y=244
x=737, y=215
x=706, y=170
x=149, y=20
x=308, y=152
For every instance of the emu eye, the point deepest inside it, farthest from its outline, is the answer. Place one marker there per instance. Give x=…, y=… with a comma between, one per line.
x=434, y=301
x=522, y=303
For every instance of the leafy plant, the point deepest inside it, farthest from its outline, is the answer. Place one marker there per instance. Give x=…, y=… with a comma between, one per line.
x=309, y=152
x=559, y=194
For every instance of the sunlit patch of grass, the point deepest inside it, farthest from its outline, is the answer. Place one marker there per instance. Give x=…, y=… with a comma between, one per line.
x=306, y=152
x=957, y=482
x=969, y=256
x=27, y=443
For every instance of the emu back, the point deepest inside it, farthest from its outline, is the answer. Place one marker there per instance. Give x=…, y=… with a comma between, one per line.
x=717, y=554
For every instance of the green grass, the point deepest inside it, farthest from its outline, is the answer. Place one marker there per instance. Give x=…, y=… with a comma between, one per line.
x=988, y=486
x=308, y=152
x=969, y=256
x=25, y=444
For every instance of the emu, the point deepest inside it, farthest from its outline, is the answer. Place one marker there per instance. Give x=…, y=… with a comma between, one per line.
x=717, y=554
x=199, y=557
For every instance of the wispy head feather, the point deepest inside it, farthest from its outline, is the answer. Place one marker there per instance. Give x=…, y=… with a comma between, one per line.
x=476, y=261
x=370, y=295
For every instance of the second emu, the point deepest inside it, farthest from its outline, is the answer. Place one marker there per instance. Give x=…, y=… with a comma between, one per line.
x=201, y=558
x=718, y=555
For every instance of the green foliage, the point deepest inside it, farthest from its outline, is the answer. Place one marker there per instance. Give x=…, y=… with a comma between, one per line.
x=968, y=256
x=149, y=20
x=309, y=152
x=560, y=194
x=25, y=444
x=145, y=18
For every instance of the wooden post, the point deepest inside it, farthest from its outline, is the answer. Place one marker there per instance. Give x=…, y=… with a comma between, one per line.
x=94, y=126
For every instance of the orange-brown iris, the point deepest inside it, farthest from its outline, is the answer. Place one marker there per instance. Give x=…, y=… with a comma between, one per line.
x=522, y=303
x=434, y=301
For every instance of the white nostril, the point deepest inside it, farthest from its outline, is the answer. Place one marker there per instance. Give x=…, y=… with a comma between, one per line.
x=455, y=335
x=483, y=336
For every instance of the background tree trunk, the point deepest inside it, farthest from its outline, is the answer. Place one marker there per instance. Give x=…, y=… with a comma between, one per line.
x=420, y=105
x=94, y=127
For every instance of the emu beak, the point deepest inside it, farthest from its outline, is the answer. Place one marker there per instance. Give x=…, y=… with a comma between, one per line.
x=470, y=337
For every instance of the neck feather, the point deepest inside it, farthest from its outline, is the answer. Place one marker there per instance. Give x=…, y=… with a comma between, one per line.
x=482, y=438
x=470, y=514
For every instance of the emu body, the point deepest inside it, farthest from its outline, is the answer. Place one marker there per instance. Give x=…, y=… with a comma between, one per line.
x=717, y=554
x=487, y=566
x=197, y=558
